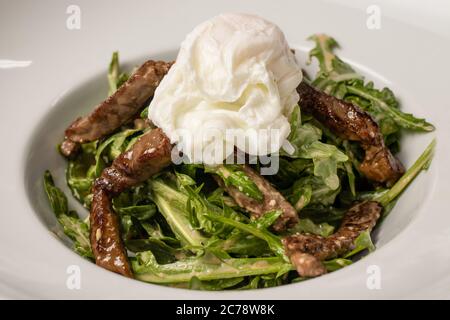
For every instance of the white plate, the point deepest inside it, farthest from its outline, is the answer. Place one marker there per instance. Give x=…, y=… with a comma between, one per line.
x=64, y=76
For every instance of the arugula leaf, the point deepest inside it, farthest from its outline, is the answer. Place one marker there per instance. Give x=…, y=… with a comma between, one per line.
x=214, y=285
x=422, y=163
x=267, y=219
x=57, y=198
x=115, y=78
x=155, y=231
x=172, y=203
x=338, y=78
x=320, y=213
x=163, y=253
x=325, y=158
x=362, y=242
x=218, y=198
x=144, y=113
x=387, y=104
x=290, y=171
x=116, y=144
x=311, y=190
x=147, y=269
x=272, y=240
x=332, y=70
x=78, y=179
x=234, y=175
x=304, y=138
x=143, y=212
x=336, y=264
x=243, y=245
x=308, y=226
x=73, y=227
x=78, y=231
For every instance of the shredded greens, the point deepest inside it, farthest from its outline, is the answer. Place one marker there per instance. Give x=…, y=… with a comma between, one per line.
x=182, y=230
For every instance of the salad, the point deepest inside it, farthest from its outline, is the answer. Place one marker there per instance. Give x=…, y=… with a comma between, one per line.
x=198, y=226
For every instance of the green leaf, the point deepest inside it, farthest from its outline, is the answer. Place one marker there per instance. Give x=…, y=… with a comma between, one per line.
x=78, y=231
x=272, y=240
x=78, y=180
x=113, y=73
x=422, y=163
x=115, y=78
x=267, y=219
x=336, y=264
x=301, y=134
x=172, y=204
x=144, y=113
x=325, y=158
x=116, y=144
x=362, y=242
x=380, y=100
x=155, y=231
x=311, y=190
x=199, y=210
x=130, y=227
x=244, y=245
x=57, y=199
x=320, y=213
x=351, y=176
x=290, y=171
x=141, y=212
x=163, y=253
x=147, y=269
x=234, y=175
x=308, y=226
x=332, y=70
x=119, y=143
x=218, y=198
x=337, y=78
x=214, y=285
x=73, y=227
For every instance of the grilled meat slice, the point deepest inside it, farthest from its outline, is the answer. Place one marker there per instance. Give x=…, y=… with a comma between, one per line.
x=106, y=242
x=306, y=251
x=118, y=109
x=273, y=200
x=149, y=155
x=351, y=123
x=69, y=148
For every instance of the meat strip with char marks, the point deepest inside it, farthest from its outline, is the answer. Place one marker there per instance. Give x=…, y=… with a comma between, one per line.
x=351, y=123
x=306, y=251
x=273, y=200
x=116, y=110
x=148, y=156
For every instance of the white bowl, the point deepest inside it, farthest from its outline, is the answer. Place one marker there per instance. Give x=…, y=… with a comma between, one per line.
x=67, y=76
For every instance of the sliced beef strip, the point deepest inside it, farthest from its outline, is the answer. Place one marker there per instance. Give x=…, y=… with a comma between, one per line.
x=148, y=156
x=118, y=109
x=306, y=251
x=273, y=200
x=351, y=123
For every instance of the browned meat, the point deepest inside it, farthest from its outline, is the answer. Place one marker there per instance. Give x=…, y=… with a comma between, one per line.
x=118, y=109
x=106, y=242
x=273, y=200
x=306, y=251
x=149, y=155
x=69, y=148
x=351, y=123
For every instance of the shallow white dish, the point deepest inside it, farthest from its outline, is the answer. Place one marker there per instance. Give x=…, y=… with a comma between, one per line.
x=66, y=77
